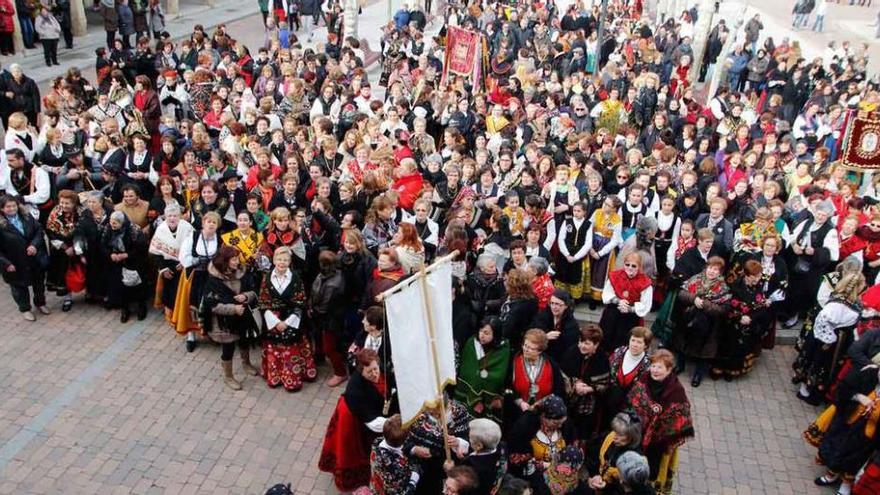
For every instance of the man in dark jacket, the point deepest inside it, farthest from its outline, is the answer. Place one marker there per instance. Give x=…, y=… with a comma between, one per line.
x=23, y=256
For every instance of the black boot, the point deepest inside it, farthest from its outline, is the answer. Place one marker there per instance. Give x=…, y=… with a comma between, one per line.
x=190, y=345
x=142, y=311
x=123, y=317
x=697, y=377
x=680, y=363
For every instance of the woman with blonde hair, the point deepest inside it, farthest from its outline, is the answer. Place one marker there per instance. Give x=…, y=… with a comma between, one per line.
x=195, y=253
x=287, y=354
x=20, y=136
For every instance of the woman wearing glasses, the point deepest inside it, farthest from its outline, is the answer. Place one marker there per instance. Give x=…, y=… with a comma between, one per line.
x=627, y=296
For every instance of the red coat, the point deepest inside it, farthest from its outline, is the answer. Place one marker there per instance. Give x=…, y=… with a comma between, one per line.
x=7, y=10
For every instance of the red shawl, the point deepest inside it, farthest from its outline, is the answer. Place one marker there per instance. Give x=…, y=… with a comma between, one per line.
x=666, y=417
x=629, y=289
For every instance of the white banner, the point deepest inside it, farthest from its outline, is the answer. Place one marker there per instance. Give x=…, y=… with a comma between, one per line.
x=414, y=360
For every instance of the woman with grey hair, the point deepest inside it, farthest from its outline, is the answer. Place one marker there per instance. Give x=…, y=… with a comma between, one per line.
x=93, y=222
x=635, y=473
x=624, y=438
x=165, y=251
x=487, y=456
x=124, y=246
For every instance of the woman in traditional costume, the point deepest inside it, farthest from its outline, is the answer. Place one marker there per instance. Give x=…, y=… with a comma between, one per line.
x=482, y=372
x=358, y=419
x=774, y=282
x=534, y=375
x=196, y=252
x=625, y=436
x=626, y=365
x=165, y=249
x=225, y=312
x=94, y=220
x=246, y=240
x=287, y=355
x=814, y=246
x=282, y=232
x=659, y=400
x=668, y=228
x=846, y=432
x=60, y=227
x=749, y=319
x=575, y=240
x=427, y=442
x=702, y=303
x=124, y=246
x=209, y=200
x=825, y=345
x=589, y=376
x=538, y=437
x=607, y=235
x=627, y=296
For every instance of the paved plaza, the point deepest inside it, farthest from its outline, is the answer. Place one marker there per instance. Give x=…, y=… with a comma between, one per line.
x=93, y=406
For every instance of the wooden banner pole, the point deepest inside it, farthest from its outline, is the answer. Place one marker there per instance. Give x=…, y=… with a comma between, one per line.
x=432, y=340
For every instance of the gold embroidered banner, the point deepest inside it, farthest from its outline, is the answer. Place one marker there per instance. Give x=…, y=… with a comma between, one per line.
x=861, y=149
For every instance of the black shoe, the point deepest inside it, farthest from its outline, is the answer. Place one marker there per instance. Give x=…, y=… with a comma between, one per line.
x=593, y=305
x=190, y=345
x=825, y=480
x=123, y=318
x=142, y=312
x=696, y=381
x=728, y=378
x=66, y=305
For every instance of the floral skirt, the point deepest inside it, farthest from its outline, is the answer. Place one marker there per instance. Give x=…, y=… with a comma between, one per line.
x=288, y=365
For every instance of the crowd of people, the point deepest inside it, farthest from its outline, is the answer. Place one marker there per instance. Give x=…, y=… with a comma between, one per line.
x=263, y=197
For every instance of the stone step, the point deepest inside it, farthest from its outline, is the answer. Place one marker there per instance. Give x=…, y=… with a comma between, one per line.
x=584, y=314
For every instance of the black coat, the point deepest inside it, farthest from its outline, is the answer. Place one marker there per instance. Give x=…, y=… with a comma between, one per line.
x=13, y=247
x=516, y=318
x=568, y=328
x=26, y=96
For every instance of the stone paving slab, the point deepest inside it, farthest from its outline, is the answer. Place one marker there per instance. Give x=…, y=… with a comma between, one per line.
x=91, y=405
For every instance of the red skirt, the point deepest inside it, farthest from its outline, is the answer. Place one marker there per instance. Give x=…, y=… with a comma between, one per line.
x=869, y=483
x=346, y=450
x=288, y=365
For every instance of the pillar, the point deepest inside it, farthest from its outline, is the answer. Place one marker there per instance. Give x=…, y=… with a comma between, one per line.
x=350, y=19
x=701, y=37
x=78, y=18
x=172, y=7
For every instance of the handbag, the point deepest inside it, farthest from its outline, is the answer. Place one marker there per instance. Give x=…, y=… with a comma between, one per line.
x=130, y=278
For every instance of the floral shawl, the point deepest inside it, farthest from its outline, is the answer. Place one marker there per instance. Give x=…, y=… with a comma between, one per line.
x=715, y=291
x=665, y=413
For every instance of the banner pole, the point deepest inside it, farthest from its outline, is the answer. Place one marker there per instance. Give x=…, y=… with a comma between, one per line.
x=432, y=340
x=405, y=283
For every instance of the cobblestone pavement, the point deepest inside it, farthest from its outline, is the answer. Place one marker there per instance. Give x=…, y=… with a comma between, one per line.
x=93, y=406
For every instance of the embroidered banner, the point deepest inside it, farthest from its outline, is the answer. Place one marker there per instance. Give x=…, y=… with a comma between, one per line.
x=861, y=149
x=462, y=51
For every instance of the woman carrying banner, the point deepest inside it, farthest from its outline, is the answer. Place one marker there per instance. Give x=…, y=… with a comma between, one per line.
x=359, y=416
